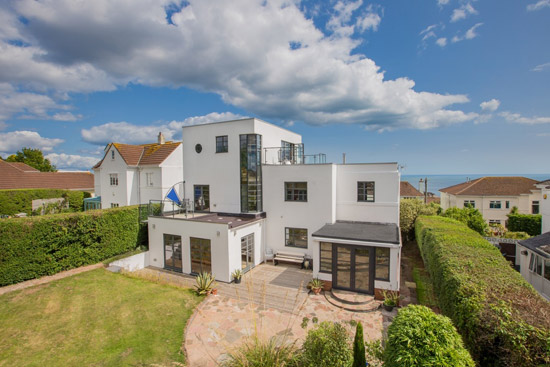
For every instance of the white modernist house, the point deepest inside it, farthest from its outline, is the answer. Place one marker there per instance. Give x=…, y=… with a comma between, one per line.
x=494, y=197
x=251, y=193
x=544, y=186
x=135, y=174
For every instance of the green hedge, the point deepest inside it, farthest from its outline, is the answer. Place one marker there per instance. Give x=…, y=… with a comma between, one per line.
x=532, y=224
x=44, y=245
x=20, y=201
x=419, y=337
x=502, y=319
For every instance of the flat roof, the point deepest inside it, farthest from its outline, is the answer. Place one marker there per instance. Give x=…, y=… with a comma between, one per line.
x=232, y=220
x=539, y=244
x=360, y=231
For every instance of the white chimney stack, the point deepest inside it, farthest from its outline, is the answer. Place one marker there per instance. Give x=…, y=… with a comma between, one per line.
x=161, y=138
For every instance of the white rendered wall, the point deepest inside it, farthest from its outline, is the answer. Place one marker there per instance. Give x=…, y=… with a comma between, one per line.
x=384, y=209
x=134, y=262
x=312, y=215
x=545, y=210
x=171, y=172
x=234, y=244
x=541, y=284
x=272, y=135
x=153, y=192
x=132, y=183
x=112, y=194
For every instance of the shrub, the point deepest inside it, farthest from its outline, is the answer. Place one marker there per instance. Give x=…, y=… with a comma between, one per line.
x=469, y=216
x=502, y=319
x=516, y=235
x=359, y=359
x=20, y=201
x=37, y=246
x=532, y=224
x=327, y=345
x=409, y=210
x=258, y=353
x=419, y=337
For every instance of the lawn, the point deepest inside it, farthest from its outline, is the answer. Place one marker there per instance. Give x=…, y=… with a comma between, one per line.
x=95, y=319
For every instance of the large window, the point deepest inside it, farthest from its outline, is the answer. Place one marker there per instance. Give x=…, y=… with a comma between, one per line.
x=382, y=263
x=251, y=173
x=547, y=269
x=535, y=207
x=296, y=237
x=535, y=264
x=201, y=255
x=365, y=191
x=469, y=203
x=325, y=257
x=295, y=191
x=202, y=198
x=113, y=178
x=172, y=252
x=495, y=204
x=221, y=144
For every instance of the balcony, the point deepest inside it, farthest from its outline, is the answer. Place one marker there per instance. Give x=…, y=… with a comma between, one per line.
x=168, y=208
x=291, y=154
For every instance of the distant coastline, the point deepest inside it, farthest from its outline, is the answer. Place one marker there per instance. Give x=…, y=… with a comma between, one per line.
x=437, y=182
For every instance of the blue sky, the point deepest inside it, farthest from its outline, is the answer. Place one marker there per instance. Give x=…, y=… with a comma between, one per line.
x=440, y=86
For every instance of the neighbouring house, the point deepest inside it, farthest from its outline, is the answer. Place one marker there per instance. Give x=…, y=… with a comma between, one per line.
x=135, y=174
x=252, y=193
x=535, y=262
x=16, y=175
x=544, y=186
x=494, y=197
x=408, y=191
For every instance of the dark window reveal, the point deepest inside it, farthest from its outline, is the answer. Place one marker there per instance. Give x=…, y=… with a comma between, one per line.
x=222, y=144
x=365, y=191
x=296, y=237
x=295, y=191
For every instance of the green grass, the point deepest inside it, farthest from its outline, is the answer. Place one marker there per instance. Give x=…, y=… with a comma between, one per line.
x=94, y=319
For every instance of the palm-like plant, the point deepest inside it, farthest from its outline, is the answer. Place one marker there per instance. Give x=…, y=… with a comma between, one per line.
x=205, y=282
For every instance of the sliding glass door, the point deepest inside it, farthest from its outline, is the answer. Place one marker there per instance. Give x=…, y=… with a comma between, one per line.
x=247, y=252
x=353, y=268
x=201, y=255
x=172, y=252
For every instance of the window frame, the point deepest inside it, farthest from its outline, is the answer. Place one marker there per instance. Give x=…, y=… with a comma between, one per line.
x=325, y=258
x=363, y=197
x=376, y=264
x=288, y=237
x=224, y=140
x=149, y=179
x=507, y=204
x=112, y=155
x=495, y=204
x=115, y=205
x=295, y=192
x=535, y=203
x=471, y=203
x=546, y=266
x=113, y=177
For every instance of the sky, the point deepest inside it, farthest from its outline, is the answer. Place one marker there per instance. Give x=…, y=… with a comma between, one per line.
x=439, y=86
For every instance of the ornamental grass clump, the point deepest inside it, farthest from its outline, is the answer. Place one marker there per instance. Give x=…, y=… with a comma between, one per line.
x=419, y=337
x=256, y=352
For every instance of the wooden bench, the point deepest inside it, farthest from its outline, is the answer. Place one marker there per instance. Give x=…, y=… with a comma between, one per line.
x=289, y=257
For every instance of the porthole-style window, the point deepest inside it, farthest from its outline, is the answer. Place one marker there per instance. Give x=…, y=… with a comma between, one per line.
x=198, y=148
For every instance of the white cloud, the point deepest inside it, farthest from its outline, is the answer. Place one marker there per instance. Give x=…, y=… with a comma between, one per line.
x=470, y=34
x=442, y=42
x=266, y=57
x=541, y=67
x=125, y=132
x=64, y=161
x=491, y=105
x=463, y=12
x=369, y=20
x=538, y=5
x=66, y=116
x=517, y=118
x=442, y=2
x=12, y=141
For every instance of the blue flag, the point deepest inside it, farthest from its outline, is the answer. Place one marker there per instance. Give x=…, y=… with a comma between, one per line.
x=173, y=195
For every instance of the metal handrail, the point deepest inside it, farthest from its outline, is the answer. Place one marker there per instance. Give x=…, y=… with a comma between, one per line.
x=284, y=156
x=167, y=208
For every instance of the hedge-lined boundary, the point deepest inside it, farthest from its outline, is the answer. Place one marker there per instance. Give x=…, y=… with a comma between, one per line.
x=419, y=337
x=20, y=201
x=45, y=245
x=502, y=319
x=530, y=223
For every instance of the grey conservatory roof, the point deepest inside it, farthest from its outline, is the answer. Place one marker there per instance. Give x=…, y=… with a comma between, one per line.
x=539, y=244
x=360, y=231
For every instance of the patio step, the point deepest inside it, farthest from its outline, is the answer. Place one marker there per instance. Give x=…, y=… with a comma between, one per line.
x=351, y=298
x=365, y=306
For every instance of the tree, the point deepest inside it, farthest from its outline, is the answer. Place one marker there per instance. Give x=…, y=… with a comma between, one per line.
x=469, y=216
x=359, y=359
x=33, y=158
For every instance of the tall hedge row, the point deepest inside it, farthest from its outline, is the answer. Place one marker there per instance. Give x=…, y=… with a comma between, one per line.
x=502, y=319
x=37, y=246
x=20, y=201
x=530, y=223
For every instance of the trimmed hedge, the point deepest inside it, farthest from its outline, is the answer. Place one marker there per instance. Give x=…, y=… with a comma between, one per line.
x=530, y=223
x=502, y=319
x=419, y=337
x=44, y=245
x=20, y=201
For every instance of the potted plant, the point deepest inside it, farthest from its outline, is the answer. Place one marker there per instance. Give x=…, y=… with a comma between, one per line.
x=391, y=300
x=204, y=281
x=316, y=285
x=237, y=275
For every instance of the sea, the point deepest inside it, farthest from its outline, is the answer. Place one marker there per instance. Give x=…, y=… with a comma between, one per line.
x=437, y=182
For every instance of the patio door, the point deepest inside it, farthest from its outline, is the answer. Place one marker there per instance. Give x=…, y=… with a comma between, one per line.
x=201, y=255
x=202, y=198
x=172, y=252
x=353, y=268
x=247, y=252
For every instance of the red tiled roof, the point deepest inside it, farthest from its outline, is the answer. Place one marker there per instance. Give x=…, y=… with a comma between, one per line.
x=409, y=190
x=145, y=154
x=23, y=167
x=493, y=186
x=12, y=177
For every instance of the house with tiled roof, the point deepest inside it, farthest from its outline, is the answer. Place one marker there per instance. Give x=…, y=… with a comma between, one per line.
x=135, y=174
x=408, y=191
x=534, y=261
x=16, y=175
x=494, y=197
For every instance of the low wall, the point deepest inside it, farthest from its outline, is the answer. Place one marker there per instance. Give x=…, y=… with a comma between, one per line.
x=134, y=262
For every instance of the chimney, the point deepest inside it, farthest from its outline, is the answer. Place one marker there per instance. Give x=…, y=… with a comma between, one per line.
x=161, y=138
x=343, y=158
